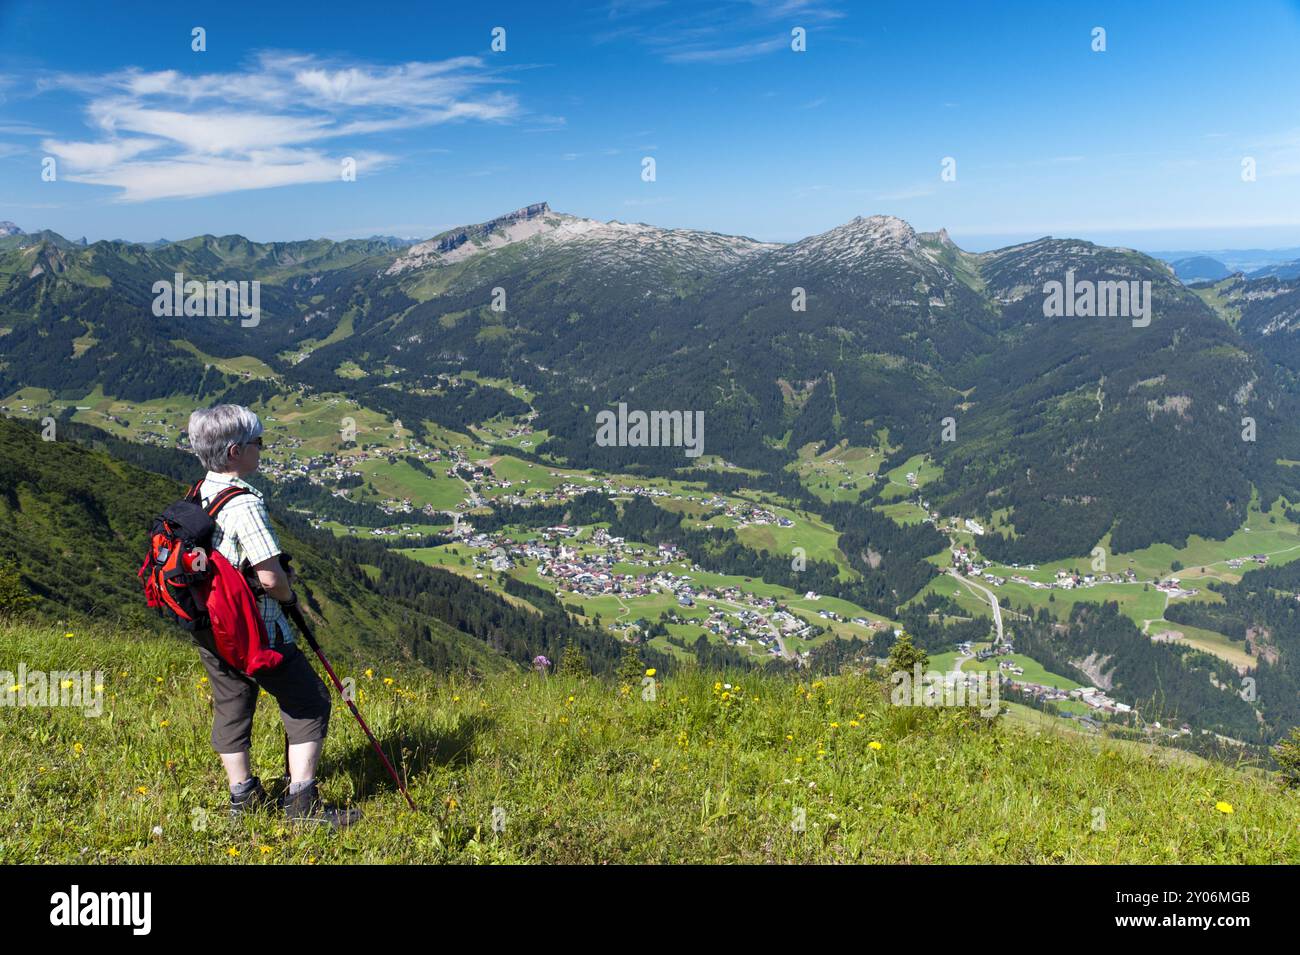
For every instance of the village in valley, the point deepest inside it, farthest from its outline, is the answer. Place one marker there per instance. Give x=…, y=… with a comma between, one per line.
x=433, y=494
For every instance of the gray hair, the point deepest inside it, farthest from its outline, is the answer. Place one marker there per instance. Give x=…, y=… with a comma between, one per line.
x=213, y=430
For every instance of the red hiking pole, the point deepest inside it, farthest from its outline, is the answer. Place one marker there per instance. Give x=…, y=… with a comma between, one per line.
x=300, y=622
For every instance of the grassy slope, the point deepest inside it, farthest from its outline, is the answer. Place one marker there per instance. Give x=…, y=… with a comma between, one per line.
x=604, y=778
x=76, y=522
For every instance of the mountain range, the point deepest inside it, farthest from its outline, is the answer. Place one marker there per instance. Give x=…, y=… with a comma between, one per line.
x=1064, y=432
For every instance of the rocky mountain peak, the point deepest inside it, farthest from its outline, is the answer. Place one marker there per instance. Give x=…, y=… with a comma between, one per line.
x=463, y=241
x=862, y=239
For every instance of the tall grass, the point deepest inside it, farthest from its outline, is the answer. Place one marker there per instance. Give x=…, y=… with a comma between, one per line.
x=525, y=768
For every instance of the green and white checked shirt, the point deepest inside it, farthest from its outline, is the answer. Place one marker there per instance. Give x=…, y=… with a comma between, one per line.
x=244, y=533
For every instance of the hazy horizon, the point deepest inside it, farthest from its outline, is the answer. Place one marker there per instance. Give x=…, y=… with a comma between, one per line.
x=1193, y=241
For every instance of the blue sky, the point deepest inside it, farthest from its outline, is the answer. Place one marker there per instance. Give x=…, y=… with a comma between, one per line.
x=1139, y=145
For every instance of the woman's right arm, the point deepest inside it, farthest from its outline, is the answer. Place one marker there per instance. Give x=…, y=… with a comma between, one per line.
x=273, y=579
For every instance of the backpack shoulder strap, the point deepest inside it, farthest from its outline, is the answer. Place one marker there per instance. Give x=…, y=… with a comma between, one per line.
x=193, y=493
x=223, y=498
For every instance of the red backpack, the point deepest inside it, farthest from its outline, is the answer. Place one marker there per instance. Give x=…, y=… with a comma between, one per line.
x=180, y=555
x=193, y=584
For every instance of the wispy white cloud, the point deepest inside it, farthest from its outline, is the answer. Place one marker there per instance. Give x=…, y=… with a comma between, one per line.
x=731, y=32
x=16, y=128
x=165, y=134
x=214, y=175
x=548, y=124
x=90, y=156
x=726, y=54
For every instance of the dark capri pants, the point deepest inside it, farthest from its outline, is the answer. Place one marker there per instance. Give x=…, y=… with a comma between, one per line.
x=304, y=700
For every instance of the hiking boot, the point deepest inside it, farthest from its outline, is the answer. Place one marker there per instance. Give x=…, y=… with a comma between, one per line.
x=306, y=806
x=250, y=798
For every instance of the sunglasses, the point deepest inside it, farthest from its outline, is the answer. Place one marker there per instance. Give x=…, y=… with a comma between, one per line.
x=257, y=441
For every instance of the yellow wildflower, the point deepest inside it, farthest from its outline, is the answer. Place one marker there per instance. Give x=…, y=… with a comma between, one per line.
x=1224, y=807
x=874, y=745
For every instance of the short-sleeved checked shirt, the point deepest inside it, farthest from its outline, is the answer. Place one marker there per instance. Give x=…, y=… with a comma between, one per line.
x=244, y=533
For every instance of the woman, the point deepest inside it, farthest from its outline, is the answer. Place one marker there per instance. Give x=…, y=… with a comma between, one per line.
x=228, y=441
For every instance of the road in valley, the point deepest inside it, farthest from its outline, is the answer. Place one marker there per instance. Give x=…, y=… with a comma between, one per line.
x=993, y=600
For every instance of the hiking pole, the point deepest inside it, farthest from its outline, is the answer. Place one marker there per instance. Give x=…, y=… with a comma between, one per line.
x=301, y=623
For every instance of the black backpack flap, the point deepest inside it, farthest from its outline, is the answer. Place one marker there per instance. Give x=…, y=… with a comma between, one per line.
x=188, y=522
x=184, y=526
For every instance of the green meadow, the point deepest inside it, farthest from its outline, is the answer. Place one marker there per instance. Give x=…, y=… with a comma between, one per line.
x=584, y=771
